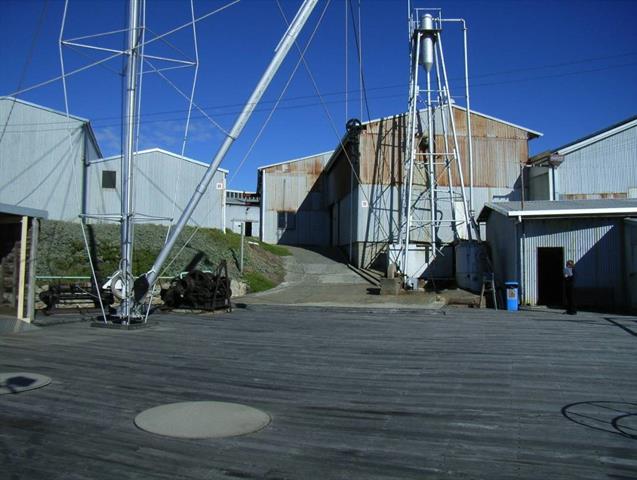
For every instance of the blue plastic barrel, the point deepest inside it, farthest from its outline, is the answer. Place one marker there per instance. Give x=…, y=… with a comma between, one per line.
x=512, y=296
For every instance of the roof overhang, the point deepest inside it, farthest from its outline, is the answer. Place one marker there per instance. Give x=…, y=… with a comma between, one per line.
x=23, y=211
x=541, y=213
x=165, y=152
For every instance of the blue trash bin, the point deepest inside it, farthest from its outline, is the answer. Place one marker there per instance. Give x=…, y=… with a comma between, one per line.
x=512, y=296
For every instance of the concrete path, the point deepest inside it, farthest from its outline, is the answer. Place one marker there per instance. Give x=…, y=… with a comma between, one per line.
x=320, y=278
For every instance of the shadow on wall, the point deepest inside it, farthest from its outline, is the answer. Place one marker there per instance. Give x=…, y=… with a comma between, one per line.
x=384, y=202
x=309, y=224
x=598, y=281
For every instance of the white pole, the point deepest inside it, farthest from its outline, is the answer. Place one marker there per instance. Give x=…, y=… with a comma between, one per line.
x=242, y=236
x=129, y=121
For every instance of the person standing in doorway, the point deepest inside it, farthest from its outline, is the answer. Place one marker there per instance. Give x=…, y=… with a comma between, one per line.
x=569, y=282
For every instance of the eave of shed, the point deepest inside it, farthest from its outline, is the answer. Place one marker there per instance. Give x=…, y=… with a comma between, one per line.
x=561, y=209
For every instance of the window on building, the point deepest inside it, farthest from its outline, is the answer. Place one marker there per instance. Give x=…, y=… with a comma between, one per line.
x=109, y=179
x=286, y=220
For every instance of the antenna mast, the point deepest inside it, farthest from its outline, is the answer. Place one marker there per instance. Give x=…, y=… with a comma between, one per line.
x=129, y=122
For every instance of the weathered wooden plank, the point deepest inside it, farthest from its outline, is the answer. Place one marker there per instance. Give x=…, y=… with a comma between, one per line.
x=352, y=393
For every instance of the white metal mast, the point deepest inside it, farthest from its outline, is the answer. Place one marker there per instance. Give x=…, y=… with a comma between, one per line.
x=129, y=122
x=432, y=153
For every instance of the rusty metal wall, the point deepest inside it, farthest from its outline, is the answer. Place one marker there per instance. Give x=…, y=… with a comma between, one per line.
x=298, y=187
x=498, y=149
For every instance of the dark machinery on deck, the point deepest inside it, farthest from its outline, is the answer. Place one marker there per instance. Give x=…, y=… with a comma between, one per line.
x=200, y=290
x=73, y=293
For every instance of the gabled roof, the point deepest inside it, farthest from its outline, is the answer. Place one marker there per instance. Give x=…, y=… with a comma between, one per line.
x=329, y=152
x=587, y=140
x=165, y=152
x=86, y=122
x=533, y=133
x=41, y=107
x=562, y=208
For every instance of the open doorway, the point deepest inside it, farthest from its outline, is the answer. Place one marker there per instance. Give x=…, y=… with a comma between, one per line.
x=248, y=229
x=550, y=278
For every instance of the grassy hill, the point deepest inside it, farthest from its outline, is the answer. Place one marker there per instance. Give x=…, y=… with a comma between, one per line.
x=61, y=251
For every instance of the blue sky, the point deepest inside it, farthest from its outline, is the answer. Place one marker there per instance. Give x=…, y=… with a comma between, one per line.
x=564, y=68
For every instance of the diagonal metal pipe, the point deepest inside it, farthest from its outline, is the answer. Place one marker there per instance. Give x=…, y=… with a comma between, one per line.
x=281, y=51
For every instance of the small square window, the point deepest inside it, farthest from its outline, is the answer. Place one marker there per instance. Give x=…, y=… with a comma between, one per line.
x=109, y=179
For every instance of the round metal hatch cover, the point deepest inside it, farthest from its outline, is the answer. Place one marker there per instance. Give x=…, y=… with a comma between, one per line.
x=17, y=382
x=202, y=420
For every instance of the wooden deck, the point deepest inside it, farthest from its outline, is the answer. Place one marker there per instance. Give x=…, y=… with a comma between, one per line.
x=353, y=394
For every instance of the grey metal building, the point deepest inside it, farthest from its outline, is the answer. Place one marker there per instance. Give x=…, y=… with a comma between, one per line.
x=243, y=208
x=600, y=165
x=530, y=244
x=351, y=198
x=42, y=158
x=163, y=184
x=293, y=208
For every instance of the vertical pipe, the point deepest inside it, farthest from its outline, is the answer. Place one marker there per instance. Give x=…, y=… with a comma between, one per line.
x=431, y=167
x=469, y=136
x=281, y=51
x=455, y=143
x=33, y=252
x=243, y=223
x=127, y=161
x=409, y=151
x=23, y=267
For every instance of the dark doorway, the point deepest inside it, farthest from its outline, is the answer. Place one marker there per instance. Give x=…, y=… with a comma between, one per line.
x=248, y=229
x=550, y=278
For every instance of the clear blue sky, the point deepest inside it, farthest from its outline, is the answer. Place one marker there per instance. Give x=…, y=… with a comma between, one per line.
x=564, y=68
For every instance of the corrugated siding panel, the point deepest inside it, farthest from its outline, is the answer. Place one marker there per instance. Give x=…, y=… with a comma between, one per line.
x=594, y=244
x=608, y=166
x=502, y=238
x=296, y=187
x=630, y=249
x=159, y=180
x=39, y=167
x=498, y=151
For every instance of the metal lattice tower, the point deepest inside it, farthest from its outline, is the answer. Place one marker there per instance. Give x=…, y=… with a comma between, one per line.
x=434, y=202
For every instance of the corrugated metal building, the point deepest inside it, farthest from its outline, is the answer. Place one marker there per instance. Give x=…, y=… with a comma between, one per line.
x=361, y=212
x=531, y=243
x=163, y=184
x=293, y=209
x=243, y=208
x=42, y=158
x=600, y=165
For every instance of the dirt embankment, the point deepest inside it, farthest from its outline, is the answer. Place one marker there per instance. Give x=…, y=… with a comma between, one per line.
x=62, y=252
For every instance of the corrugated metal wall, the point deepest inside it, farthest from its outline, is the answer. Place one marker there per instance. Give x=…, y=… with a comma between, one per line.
x=297, y=187
x=594, y=244
x=604, y=169
x=160, y=178
x=503, y=245
x=40, y=169
x=630, y=249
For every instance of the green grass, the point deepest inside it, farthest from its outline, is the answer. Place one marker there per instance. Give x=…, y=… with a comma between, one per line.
x=257, y=282
x=276, y=249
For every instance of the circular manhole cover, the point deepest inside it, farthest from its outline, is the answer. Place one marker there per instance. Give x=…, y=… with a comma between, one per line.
x=16, y=382
x=202, y=420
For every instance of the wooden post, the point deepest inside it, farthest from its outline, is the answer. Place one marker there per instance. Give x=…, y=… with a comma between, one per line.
x=33, y=252
x=23, y=267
